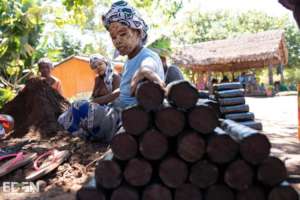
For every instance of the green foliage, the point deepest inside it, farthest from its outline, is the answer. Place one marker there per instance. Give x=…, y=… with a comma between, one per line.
x=6, y=95
x=162, y=46
x=20, y=28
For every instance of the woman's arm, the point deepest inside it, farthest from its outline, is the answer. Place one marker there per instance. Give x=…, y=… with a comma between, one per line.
x=146, y=71
x=111, y=96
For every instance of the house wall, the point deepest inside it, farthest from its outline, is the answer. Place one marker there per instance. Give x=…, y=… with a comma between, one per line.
x=76, y=77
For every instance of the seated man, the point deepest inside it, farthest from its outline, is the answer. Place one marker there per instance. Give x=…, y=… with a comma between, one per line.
x=45, y=67
x=172, y=72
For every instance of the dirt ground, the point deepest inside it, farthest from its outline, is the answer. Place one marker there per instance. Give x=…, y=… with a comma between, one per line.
x=278, y=115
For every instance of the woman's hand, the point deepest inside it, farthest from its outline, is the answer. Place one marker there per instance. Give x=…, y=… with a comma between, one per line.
x=145, y=73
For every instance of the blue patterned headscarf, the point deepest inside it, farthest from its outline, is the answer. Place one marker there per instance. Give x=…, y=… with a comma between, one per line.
x=108, y=74
x=125, y=14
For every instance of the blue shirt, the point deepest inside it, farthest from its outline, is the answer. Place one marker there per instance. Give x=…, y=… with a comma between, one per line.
x=130, y=67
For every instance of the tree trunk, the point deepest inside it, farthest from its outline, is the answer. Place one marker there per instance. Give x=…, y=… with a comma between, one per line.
x=230, y=93
x=169, y=120
x=138, y=172
x=228, y=86
x=188, y=192
x=252, y=193
x=283, y=192
x=191, y=146
x=234, y=109
x=203, y=119
x=240, y=117
x=253, y=124
x=271, y=172
x=231, y=101
x=125, y=192
x=182, y=94
x=108, y=173
x=124, y=146
x=149, y=95
x=153, y=145
x=173, y=172
x=270, y=74
x=239, y=175
x=254, y=147
x=204, y=174
x=157, y=192
x=219, y=192
x=221, y=148
x=89, y=193
x=131, y=116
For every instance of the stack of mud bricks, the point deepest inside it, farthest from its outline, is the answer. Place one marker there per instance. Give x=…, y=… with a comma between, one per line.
x=231, y=98
x=177, y=148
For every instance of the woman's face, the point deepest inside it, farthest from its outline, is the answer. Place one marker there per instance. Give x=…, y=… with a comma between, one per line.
x=99, y=67
x=45, y=70
x=124, y=38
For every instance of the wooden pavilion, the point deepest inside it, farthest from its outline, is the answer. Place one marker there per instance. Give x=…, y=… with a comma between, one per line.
x=248, y=51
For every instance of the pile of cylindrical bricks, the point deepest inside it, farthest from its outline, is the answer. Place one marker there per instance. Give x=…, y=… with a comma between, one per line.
x=177, y=148
x=231, y=98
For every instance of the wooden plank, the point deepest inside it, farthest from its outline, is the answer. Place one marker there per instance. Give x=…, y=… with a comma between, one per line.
x=230, y=93
x=234, y=109
x=231, y=101
x=228, y=86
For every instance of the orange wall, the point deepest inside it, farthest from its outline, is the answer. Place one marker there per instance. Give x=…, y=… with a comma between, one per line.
x=75, y=76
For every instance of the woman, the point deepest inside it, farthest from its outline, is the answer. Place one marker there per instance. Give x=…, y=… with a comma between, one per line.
x=45, y=67
x=128, y=32
x=107, y=83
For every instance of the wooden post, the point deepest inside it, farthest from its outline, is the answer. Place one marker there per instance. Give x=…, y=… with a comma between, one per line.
x=270, y=74
x=281, y=73
x=298, y=86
